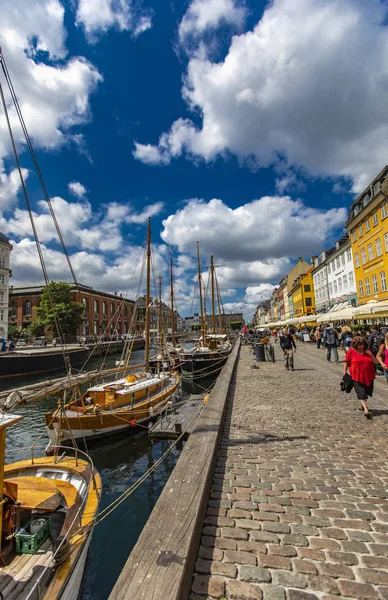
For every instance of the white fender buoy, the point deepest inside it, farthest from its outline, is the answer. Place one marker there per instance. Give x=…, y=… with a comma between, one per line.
x=13, y=399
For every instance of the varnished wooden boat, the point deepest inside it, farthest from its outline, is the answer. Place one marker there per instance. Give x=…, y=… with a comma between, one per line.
x=113, y=407
x=66, y=490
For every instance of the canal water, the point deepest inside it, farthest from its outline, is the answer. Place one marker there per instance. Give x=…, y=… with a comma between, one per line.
x=120, y=461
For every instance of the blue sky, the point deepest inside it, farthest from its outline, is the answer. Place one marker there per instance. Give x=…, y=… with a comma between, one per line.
x=246, y=125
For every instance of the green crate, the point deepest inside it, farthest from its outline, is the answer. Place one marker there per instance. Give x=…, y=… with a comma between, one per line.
x=27, y=543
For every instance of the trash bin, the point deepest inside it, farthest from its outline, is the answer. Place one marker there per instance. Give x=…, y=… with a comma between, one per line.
x=259, y=352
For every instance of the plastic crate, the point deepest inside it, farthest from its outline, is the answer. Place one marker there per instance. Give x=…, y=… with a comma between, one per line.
x=27, y=543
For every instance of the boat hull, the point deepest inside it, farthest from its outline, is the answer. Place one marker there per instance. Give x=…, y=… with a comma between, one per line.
x=16, y=364
x=203, y=364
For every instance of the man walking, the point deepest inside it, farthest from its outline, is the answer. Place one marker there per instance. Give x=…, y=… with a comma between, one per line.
x=287, y=344
x=332, y=342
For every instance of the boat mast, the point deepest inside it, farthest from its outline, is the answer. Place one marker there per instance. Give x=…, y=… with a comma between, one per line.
x=200, y=296
x=160, y=324
x=172, y=303
x=148, y=298
x=213, y=298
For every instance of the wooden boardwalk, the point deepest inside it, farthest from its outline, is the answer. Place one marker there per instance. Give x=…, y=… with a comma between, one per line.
x=176, y=418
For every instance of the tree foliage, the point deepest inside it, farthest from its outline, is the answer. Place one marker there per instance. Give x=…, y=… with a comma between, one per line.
x=235, y=325
x=56, y=303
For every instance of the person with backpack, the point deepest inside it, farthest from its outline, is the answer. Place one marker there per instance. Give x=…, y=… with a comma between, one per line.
x=382, y=357
x=287, y=344
x=346, y=337
x=332, y=342
x=375, y=339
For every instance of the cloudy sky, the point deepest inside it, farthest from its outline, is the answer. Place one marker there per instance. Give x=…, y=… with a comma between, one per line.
x=244, y=124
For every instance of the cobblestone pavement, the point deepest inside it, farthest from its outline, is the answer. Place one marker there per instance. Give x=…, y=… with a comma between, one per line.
x=299, y=503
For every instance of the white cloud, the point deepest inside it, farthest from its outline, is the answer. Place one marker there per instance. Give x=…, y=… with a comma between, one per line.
x=9, y=187
x=77, y=189
x=97, y=16
x=261, y=231
x=203, y=15
x=306, y=87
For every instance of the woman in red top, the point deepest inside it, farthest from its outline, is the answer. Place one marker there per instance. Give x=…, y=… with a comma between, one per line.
x=361, y=364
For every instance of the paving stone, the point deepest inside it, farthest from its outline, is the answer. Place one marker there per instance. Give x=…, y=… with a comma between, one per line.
x=234, y=533
x=294, y=539
x=375, y=562
x=263, y=536
x=325, y=543
x=261, y=515
x=272, y=592
x=300, y=595
x=205, y=585
x=240, y=590
x=373, y=576
x=240, y=557
x=322, y=583
x=238, y=513
x=276, y=527
x=354, y=546
x=281, y=550
x=287, y=579
x=380, y=549
x=273, y=561
x=248, y=546
x=311, y=553
x=336, y=570
x=345, y=558
x=210, y=553
x=254, y=574
x=305, y=529
x=304, y=566
x=354, y=589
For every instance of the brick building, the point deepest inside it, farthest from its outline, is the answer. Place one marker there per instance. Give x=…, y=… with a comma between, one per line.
x=104, y=312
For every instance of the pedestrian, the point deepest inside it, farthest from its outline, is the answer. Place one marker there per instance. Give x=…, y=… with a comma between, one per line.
x=332, y=342
x=287, y=344
x=382, y=357
x=318, y=337
x=346, y=337
x=291, y=330
x=375, y=339
x=360, y=362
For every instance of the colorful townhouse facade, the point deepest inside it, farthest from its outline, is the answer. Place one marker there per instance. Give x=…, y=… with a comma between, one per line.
x=368, y=228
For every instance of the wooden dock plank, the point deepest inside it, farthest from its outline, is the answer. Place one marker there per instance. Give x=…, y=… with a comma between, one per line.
x=182, y=414
x=161, y=564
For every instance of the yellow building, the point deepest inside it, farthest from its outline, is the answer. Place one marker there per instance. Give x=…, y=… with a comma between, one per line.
x=368, y=228
x=303, y=298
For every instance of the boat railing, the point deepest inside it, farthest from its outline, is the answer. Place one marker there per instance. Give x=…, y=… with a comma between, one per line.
x=61, y=452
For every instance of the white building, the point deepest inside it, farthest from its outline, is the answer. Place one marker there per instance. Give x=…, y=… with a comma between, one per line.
x=320, y=281
x=5, y=251
x=340, y=274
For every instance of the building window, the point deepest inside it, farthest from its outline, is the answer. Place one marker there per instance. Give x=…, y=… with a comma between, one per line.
x=343, y=259
x=104, y=308
x=371, y=254
x=338, y=262
x=354, y=235
x=95, y=327
x=357, y=259
x=363, y=256
x=2, y=261
x=379, y=249
x=360, y=289
x=367, y=286
x=1, y=296
x=367, y=225
x=309, y=302
x=351, y=280
x=360, y=232
x=329, y=268
x=374, y=284
x=349, y=255
x=1, y=315
x=375, y=219
x=383, y=210
x=330, y=289
x=95, y=306
x=339, y=284
x=307, y=288
x=27, y=309
x=383, y=281
x=345, y=281
x=335, y=286
x=2, y=278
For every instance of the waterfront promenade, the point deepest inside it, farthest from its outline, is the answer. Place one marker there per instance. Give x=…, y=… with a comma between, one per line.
x=299, y=503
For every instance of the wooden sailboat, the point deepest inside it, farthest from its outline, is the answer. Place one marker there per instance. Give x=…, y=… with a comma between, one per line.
x=119, y=404
x=209, y=356
x=48, y=508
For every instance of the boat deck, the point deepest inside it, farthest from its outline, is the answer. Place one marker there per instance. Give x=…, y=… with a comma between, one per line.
x=175, y=419
x=19, y=577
